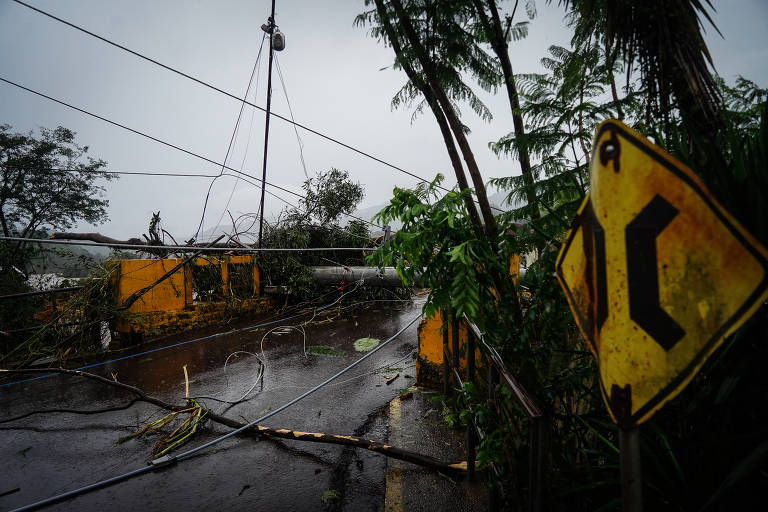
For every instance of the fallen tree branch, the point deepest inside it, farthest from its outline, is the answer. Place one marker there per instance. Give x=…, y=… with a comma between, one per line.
x=262, y=431
x=72, y=411
x=115, y=383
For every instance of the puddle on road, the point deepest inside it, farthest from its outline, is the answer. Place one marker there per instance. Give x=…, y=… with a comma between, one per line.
x=161, y=371
x=52, y=453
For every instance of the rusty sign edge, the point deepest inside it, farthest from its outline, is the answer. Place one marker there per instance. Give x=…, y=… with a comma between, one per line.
x=745, y=238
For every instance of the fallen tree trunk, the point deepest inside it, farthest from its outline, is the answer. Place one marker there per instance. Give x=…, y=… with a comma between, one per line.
x=96, y=237
x=106, y=240
x=262, y=431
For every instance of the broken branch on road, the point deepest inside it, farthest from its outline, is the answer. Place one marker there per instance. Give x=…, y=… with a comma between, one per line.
x=267, y=432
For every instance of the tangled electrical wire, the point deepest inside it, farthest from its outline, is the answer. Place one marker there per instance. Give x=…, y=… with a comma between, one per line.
x=262, y=359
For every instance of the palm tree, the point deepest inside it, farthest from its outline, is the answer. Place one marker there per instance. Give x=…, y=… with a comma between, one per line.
x=665, y=38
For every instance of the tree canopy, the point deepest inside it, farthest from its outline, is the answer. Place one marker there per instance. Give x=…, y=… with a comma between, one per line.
x=668, y=92
x=49, y=182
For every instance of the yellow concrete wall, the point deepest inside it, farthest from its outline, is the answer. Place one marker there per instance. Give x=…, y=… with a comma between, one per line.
x=430, y=353
x=168, y=306
x=156, y=323
x=137, y=274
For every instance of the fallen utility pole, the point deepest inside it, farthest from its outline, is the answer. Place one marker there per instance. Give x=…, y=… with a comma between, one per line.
x=96, y=237
x=371, y=276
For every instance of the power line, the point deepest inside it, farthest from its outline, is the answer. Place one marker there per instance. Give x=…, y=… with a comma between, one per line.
x=152, y=173
x=229, y=94
x=250, y=132
x=290, y=111
x=137, y=132
x=174, y=146
x=222, y=91
x=247, y=328
x=185, y=175
x=127, y=173
x=182, y=247
x=158, y=349
x=292, y=205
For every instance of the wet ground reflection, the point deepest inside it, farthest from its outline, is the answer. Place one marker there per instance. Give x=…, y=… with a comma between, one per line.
x=52, y=453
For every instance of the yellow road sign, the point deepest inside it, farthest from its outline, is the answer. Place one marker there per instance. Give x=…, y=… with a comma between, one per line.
x=656, y=272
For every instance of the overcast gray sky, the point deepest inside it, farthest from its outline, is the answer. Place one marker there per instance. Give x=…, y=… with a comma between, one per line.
x=332, y=75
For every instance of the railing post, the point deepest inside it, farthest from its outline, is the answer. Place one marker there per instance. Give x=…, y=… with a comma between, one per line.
x=493, y=492
x=535, y=463
x=471, y=434
x=631, y=473
x=455, y=348
x=446, y=365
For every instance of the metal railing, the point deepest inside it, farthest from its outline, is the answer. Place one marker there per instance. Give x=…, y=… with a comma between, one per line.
x=498, y=375
x=52, y=291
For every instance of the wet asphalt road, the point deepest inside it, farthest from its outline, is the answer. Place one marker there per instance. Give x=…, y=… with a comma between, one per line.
x=47, y=454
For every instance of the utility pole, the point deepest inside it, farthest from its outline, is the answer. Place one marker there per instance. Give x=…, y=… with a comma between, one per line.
x=269, y=28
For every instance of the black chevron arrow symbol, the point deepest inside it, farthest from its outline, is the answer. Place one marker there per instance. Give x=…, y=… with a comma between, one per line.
x=642, y=272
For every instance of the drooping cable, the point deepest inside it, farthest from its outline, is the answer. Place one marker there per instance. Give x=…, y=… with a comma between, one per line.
x=167, y=460
x=263, y=359
x=290, y=111
x=187, y=175
x=249, y=328
x=231, y=139
x=248, y=139
x=165, y=143
x=184, y=247
x=222, y=91
x=142, y=134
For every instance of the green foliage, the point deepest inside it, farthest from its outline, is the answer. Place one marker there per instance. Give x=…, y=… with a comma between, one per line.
x=329, y=195
x=74, y=327
x=317, y=223
x=664, y=38
x=447, y=413
x=330, y=496
x=15, y=313
x=691, y=455
x=366, y=344
x=440, y=248
x=48, y=183
x=450, y=35
x=733, y=164
x=562, y=109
